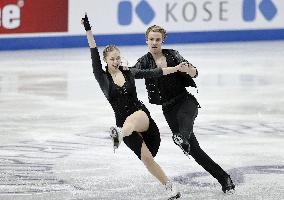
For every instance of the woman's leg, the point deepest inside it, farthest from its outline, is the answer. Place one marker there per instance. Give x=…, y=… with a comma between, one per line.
x=157, y=171
x=137, y=121
x=151, y=165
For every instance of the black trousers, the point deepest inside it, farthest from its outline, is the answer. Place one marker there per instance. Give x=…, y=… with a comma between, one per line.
x=180, y=117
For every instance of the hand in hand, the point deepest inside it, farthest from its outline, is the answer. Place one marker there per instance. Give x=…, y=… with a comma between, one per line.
x=86, y=23
x=183, y=67
x=187, y=68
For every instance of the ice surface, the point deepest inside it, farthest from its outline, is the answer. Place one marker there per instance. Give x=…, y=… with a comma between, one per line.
x=54, y=120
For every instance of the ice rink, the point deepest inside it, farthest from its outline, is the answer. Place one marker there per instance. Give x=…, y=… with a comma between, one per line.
x=54, y=122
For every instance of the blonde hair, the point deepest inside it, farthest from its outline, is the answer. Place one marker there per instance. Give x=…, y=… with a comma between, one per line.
x=109, y=48
x=156, y=28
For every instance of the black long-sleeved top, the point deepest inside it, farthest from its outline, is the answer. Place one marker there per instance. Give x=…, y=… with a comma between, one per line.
x=170, y=86
x=123, y=99
x=166, y=88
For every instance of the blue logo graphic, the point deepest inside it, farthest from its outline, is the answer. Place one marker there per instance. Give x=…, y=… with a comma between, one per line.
x=143, y=10
x=266, y=7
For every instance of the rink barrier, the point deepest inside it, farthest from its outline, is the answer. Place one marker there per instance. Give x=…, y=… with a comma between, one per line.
x=139, y=39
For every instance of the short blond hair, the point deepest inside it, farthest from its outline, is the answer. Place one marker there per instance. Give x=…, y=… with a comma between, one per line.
x=156, y=28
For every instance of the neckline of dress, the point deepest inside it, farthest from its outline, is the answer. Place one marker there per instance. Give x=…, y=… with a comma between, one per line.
x=118, y=85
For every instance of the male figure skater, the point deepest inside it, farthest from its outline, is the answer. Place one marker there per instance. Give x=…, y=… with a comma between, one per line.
x=180, y=108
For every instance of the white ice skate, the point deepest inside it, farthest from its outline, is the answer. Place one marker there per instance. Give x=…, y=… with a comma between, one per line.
x=172, y=192
x=116, y=136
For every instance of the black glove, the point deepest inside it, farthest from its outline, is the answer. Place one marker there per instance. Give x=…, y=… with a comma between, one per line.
x=86, y=23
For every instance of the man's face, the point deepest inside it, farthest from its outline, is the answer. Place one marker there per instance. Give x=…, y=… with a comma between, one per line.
x=154, y=42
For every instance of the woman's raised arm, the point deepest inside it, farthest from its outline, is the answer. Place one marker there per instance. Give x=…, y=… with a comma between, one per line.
x=90, y=37
x=99, y=73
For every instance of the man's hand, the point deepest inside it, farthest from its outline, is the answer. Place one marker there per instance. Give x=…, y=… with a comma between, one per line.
x=187, y=68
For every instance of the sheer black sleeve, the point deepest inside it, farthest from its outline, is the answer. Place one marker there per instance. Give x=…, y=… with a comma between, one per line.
x=99, y=73
x=146, y=73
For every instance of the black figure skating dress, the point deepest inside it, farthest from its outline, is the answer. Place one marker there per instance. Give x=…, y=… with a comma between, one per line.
x=124, y=102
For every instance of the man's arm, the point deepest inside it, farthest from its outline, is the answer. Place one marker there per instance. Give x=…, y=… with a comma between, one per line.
x=153, y=73
x=186, y=66
x=140, y=70
x=189, y=69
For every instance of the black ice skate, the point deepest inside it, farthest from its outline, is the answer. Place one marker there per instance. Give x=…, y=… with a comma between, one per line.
x=116, y=135
x=177, y=196
x=228, y=186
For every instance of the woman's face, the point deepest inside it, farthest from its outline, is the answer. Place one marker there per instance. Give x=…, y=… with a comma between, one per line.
x=154, y=42
x=113, y=59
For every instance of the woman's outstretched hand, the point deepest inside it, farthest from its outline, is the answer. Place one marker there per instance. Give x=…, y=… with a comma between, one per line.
x=90, y=37
x=86, y=23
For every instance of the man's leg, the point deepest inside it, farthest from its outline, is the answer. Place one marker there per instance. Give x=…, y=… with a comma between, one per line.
x=171, y=115
x=186, y=115
x=205, y=161
x=181, y=120
x=210, y=166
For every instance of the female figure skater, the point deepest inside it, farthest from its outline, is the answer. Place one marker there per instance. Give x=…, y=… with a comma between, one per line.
x=139, y=131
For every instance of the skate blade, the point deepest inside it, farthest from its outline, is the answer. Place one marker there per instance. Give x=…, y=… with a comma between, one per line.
x=177, y=196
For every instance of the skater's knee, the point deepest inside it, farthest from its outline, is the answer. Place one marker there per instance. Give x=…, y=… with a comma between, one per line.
x=179, y=139
x=182, y=142
x=139, y=121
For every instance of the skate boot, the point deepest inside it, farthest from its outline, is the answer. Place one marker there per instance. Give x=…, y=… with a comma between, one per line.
x=171, y=190
x=116, y=135
x=228, y=186
x=182, y=143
